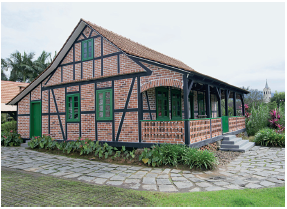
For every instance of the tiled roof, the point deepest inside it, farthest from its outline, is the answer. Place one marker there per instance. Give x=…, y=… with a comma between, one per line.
x=136, y=49
x=10, y=89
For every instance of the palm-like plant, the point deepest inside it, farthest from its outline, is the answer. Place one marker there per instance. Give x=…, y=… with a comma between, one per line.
x=18, y=64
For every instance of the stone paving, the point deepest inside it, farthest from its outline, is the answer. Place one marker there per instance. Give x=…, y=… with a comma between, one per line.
x=258, y=168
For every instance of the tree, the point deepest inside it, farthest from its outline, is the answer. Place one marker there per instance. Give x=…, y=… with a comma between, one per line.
x=254, y=98
x=17, y=64
x=3, y=68
x=279, y=98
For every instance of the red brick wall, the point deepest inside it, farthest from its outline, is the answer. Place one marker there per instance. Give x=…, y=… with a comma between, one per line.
x=81, y=37
x=121, y=91
x=55, y=129
x=78, y=71
x=60, y=98
x=88, y=97
x=69, y=57
x=67, y=73
x=45, y=122
x=108, y=48
x=45, y=101
x=88, y=126
x=36, y=93
x=98, y=68
x=78, y=52
x=104, y=131
x=129, y=132
x=24, y=126
x=110, y=66
x=73, y=131
x=24, y=105
x=97, y=47
x=104, y=84
x=87, y=70
x=55, y=79
x=87, y=32
x=72, y=88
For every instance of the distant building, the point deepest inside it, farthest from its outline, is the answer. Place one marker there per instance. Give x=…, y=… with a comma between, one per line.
x=266, y=93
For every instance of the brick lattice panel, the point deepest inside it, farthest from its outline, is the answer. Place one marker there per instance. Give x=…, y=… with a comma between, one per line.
x=199, y=130
x=232, y=124
x=240, y=123
x=163, y=132
x=216, y=129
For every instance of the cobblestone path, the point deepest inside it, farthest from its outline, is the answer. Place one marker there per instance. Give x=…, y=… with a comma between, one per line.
x=258, y=168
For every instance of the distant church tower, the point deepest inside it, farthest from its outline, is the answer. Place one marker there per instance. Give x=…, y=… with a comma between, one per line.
x=266, y=93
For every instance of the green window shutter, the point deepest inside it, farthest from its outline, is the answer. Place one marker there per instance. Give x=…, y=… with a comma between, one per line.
x=104, y=104
x=162, y=104
x=176, y=104
x=73, y=107
x=87, y=49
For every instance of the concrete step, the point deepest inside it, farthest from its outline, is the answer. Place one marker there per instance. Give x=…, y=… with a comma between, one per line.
x=237, y=145
x=229, y=137
x=244, y=148
x=231, y=141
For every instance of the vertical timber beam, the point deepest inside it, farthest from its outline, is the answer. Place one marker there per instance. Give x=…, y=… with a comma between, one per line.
x=234, y=103
x=219, y=101
x=207, y=100
x=140, y=108
x=242, y=102
x=185, y=100
x=226, y=102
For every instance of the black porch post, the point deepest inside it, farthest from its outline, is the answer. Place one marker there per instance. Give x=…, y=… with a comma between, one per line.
x=234, y=103
x=242, y=102
x=207, y=100
x=226, y=102
x=219, y=102
x=185, y=101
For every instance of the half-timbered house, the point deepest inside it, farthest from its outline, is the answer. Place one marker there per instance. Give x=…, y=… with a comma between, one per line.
x=107, y=88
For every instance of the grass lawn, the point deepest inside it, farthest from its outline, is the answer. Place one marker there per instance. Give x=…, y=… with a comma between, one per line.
x=20, y=188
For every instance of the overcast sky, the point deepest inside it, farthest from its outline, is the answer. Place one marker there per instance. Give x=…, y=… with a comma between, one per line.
x=242, y=44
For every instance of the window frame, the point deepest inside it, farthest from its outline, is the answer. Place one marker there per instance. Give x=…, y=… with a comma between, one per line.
x=177, y=92
x=73, y=107
x=83, y=49
x=104, y=91
x=157, y=104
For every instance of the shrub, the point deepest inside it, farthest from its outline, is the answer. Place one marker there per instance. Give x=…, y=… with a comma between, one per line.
x=8, y=126
x=170, y=154
x=199, y=159
x=269, y=137
x=10, y=138
x=257, y=120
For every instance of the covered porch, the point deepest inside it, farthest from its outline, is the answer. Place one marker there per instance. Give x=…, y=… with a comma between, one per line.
x=194, y=113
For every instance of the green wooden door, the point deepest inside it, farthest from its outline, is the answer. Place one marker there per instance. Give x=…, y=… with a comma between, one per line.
x=162, y=106
x=35, y=119
x=176, y=104
x=225, y=126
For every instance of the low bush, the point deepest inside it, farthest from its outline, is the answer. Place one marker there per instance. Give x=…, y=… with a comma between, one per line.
x=269, y=137
x=10, y=138
x=257, y=120
x=169, y=154
x=8, y=126
x=165, y=154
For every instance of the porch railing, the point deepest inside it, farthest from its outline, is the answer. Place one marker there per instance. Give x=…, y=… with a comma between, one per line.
x=163, y=132
x=154, y=131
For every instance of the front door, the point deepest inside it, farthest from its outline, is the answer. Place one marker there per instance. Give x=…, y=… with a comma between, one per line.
x=35, y=119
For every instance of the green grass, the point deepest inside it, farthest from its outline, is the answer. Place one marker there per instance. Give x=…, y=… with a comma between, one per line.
x=20, y=188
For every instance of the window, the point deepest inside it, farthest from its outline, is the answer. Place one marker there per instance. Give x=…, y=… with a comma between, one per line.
x=176, y=104
x=104, y=104
x=73, y=105
x=87, y=49
x=162, y=106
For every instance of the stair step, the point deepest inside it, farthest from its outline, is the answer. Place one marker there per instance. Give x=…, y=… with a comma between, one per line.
x=236, y=145
x=244, y=148
x=229, y=137
x=231, y=141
